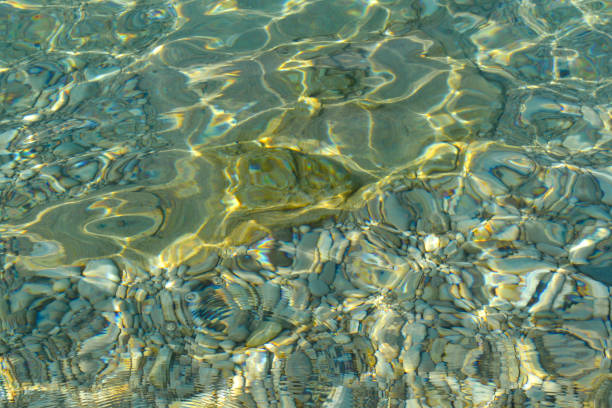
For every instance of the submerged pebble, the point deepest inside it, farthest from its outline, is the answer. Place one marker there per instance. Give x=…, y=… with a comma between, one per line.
x=298, y=366
x=102, y=269
x=317, y=286
x=265, y=332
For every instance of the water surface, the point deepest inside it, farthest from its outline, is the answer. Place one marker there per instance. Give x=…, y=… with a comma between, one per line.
x=305, y=203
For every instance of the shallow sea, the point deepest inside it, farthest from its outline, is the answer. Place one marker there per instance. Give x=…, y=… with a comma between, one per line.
x=306, y=203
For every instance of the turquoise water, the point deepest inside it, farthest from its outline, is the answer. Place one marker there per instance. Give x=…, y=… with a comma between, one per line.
x=305, y=203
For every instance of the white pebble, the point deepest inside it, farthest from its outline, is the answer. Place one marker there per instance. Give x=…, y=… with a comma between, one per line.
x=431, y=242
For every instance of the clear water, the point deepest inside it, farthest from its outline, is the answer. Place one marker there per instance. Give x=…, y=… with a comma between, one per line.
x=305, y=203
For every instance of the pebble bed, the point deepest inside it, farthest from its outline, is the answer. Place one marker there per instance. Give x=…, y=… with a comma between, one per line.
x=479, y=278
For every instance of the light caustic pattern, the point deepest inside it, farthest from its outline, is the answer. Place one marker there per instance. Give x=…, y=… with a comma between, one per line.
x=305, y=203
